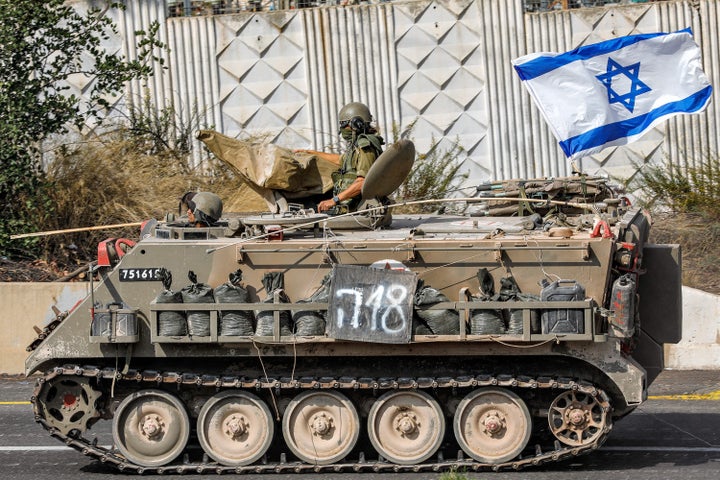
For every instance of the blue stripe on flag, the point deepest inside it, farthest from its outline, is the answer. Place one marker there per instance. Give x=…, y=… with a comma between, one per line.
x=542, y=65
x=633, y=126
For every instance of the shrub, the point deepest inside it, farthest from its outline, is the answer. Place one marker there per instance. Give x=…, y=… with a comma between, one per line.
x=44, y=45
x=109, y=182
x=434, y=174
x=684, y=189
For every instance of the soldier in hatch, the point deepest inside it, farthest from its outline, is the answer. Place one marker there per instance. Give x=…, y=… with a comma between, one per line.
x=364, y=147
x=204, y=209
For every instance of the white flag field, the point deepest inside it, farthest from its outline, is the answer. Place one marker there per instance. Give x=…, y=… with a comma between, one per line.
x=611, y=93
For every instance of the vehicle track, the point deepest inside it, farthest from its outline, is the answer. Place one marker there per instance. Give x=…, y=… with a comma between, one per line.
x=150, y=379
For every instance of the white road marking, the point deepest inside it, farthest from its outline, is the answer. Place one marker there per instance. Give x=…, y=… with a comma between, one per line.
x=39, y=448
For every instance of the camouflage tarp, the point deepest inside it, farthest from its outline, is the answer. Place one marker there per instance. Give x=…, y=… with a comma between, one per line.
x=269, y=167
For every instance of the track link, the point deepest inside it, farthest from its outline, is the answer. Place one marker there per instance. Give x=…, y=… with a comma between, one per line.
x=148, y=379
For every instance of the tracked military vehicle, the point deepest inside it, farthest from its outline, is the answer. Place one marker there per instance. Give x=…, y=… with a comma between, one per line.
x=512, y=333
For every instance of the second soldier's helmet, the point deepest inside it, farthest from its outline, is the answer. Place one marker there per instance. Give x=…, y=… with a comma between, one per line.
x=356, y=115
x=207, y=207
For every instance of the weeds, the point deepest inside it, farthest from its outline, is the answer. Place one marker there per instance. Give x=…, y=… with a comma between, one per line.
x=453, y=474
x=162, y=131
x=434, y=175
x=683, y=189
x=109, y=182
x=686, y=206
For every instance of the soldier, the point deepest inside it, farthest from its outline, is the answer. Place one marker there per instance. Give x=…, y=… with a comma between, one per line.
x=364, y=147
x=204, y=209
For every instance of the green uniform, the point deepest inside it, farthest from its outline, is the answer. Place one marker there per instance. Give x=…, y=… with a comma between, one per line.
x=356, y=162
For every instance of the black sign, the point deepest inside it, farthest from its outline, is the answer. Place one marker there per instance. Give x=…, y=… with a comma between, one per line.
x=371, y=305
x=139, y=274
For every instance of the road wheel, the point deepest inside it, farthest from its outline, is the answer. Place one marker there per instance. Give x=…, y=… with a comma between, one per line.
x=406, y=427
x=235, y=428
x=151, y=428
x=320, y=427
x=492, y=425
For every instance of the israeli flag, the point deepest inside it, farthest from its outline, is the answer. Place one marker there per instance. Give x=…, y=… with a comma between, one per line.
x=611, y=93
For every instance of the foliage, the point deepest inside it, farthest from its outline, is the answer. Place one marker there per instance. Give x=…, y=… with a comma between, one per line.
x=685, y=201
x=699, y=237
x=91, y=188
x=434, y=175
x=453, y=475
x=162, y=131
x=684, y=189
x=44, y=46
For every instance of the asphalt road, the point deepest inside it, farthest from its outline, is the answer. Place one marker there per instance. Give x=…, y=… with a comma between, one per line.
x=674, y=435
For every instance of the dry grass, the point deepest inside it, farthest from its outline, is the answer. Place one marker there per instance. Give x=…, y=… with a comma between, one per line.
x=699, y=237
x=111, y=182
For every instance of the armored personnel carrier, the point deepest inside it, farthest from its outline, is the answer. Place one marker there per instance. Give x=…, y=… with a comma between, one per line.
x=512, y=334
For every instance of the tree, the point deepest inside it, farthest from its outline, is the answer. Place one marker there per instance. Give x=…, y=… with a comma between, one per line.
x=42, y=45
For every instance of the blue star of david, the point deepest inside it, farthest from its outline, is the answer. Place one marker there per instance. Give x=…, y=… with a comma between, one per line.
x=631, y=72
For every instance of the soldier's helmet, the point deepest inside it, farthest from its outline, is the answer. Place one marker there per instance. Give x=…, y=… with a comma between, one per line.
x=356, y=115
x=207, y=207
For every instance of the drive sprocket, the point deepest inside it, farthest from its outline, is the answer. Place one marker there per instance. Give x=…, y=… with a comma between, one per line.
x=68, y=403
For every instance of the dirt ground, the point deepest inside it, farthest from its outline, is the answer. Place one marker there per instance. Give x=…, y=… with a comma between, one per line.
x=699, y=239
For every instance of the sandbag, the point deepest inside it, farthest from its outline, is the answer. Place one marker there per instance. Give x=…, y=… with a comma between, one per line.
x=419, y=327
x=440, y=322
x=515, y=319
x=170, y=323
x=312, y=322
x=234, y=322
x=265, y=319
x=486, y=322
x=510, y=292
x=198, y=320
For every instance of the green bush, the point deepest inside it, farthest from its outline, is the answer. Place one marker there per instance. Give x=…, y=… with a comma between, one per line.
x=434, y=174
x=684, y=189
x=43, y=46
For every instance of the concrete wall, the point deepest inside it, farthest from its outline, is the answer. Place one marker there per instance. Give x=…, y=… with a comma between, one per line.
x=28, y=304
x=442, y=65
x=699, y=348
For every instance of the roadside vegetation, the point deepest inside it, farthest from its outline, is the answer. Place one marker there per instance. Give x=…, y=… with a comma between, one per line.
x=685, y=202
x=116, y=179
x=435, y=174
x=453, y=475
x=45, y=47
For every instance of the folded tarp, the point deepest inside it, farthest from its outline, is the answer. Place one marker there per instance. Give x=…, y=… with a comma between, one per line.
x=269, y=167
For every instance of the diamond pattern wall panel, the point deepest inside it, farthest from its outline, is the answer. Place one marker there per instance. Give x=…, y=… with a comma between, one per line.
x=261, y=62
x=441, y=74
x=443, y=64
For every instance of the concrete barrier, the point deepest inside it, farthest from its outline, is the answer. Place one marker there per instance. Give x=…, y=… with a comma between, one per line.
x=699, y=348
x=28, y=304
x=24, y=305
